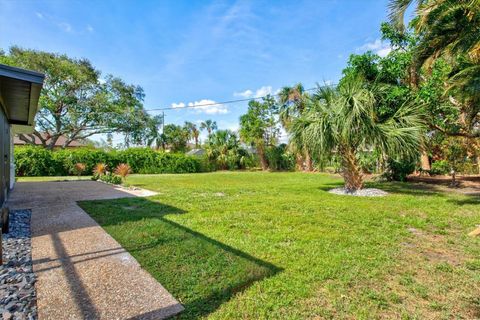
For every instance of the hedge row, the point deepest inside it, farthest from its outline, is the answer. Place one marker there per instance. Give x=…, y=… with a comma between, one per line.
x=37, y=161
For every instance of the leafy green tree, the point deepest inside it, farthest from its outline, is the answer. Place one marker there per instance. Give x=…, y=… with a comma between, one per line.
x=76, y=104
x=448, y=41
x=344, y=121
x=208, y=125
x=154, y=135
x=175, y=137
x=259, y=126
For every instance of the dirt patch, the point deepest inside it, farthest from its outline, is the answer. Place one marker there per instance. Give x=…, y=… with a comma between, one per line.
x=469, y=185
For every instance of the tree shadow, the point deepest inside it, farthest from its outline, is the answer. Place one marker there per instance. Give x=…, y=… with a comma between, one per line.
x=469, y=200
x=201, y=272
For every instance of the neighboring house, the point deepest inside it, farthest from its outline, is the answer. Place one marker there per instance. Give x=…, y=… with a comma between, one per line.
x=196, y=152
x=58, y=144
x=19, y=94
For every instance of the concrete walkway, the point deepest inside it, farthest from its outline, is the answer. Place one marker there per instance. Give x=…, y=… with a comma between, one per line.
x=83, y=273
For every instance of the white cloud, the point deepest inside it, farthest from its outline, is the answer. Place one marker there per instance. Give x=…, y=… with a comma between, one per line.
x=378, y=46
x=39, y=15
x=263, y=91
x=244, y=94
x=203, y=106
x=178, y=105
x=208, y=106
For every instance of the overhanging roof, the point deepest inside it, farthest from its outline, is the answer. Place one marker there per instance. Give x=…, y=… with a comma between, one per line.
x=19, y=94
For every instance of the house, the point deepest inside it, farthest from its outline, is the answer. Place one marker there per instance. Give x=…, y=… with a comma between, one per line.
x=196, y=152
x=58, y=144
x=19, y=94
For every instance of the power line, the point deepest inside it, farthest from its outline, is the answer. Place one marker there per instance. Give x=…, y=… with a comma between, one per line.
x=219, y=103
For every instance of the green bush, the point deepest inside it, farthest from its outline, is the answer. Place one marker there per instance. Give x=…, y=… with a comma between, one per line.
x=398, y=170
x=37, y=161
x=111, y=178
x=279, y=159
x=440, y=167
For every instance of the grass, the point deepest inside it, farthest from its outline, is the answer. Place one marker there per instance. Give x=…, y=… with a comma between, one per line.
x=279, y=246
x=55, y=178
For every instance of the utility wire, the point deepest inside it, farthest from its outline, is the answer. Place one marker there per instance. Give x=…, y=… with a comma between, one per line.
x=219, y=103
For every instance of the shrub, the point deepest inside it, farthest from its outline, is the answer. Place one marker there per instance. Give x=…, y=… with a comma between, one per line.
x=78, y=168
x=440, y=167
x=279, y=159
x=111, y=178
x=398, y=170
x=37, y=161
x=100, y=169
x=123, y=170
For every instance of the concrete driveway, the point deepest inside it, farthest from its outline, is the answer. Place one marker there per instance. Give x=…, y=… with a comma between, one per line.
x=83, y=273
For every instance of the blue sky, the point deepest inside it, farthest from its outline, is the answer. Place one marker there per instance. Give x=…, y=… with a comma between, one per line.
x=185, y=52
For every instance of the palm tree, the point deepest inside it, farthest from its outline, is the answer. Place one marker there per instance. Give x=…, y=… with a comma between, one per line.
x=193, y=132
x=293, y=102
x=208, y=125
x=223, y=146
x=444, y=27
x=344, y=121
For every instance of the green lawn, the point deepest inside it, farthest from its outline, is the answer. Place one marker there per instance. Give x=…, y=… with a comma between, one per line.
x=54, y=178
x=278, y=246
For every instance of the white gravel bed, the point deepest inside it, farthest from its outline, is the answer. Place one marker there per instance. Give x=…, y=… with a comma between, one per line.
x=366, y=192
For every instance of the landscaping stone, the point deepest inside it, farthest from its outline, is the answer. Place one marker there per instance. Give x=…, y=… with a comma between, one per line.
x=17, y=280
x=367, y=192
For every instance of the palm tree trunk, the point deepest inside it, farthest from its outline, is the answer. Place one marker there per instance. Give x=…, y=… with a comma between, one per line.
x=261, y=156
x=424, y=161
x=299, y=161
x=352, y=174
x=308, y=161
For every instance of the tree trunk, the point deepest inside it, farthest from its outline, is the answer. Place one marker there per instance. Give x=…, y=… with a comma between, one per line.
x=424, y=161
x=299, y=161
x=352, y=174
x=308, y=161
x=261, y=156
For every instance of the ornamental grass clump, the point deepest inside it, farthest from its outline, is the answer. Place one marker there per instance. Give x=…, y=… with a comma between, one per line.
x=79, y=168
x=123, y=170
x=100, y=169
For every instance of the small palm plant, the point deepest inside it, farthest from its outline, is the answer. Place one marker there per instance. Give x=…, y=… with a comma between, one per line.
x=343, y=121
x=123, y=170
x=79, y=168
x=100, y=169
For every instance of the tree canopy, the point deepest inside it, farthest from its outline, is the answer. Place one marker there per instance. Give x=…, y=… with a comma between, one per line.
x=77, y=103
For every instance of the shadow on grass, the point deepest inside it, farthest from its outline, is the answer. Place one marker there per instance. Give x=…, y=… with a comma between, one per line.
x=469, y=200
x=201, y=272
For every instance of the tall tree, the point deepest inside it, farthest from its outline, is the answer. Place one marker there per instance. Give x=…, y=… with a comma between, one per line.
x=345, y=121
x=258, y=127
x=223, y=147
x=154, y=135
x=193, y=132
x=175, y=137
x=208, y=125
x=75, y=103
x=293, y=103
